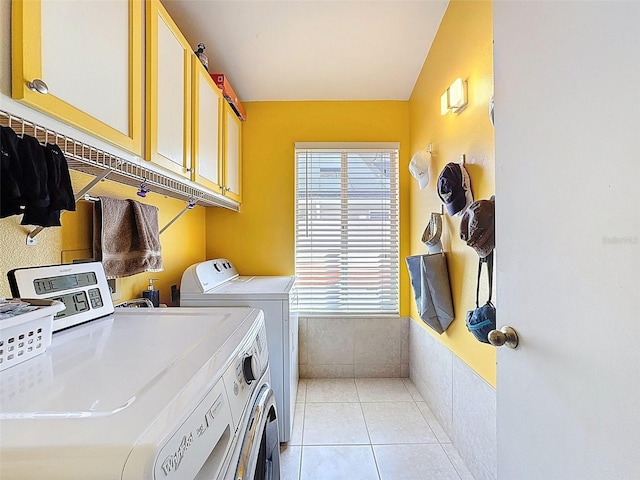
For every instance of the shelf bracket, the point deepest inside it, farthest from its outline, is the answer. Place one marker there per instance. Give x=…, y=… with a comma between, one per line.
x=31, y=236
x=192, y=203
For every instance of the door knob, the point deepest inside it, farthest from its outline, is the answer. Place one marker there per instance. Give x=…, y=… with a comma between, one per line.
x=38, y=86
x=505, y=336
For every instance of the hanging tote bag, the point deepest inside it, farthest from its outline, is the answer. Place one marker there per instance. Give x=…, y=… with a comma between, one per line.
x=432, y=233
x=432, y=291
x=481, y=320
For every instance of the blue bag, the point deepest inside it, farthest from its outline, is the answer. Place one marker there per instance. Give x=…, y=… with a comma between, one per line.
x=481, y=320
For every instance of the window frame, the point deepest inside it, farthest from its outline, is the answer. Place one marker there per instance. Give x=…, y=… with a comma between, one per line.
x=346, y=302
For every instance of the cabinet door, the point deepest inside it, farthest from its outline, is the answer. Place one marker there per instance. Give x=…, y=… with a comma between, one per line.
x=206, y=153
x=89, y=54
x=168, y=90
x=232, y=154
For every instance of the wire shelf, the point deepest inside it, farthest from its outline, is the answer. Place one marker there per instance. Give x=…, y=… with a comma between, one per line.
x=93, y=161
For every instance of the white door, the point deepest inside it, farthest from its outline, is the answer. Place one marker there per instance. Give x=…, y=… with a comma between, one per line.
x=567, y=129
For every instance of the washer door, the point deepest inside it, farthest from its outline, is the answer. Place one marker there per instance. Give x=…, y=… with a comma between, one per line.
x=260, y=454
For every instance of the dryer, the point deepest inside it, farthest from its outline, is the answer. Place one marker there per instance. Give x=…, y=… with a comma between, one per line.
x=217, y=283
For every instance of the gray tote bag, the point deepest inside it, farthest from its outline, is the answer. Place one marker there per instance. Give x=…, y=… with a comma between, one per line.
x=430, y=282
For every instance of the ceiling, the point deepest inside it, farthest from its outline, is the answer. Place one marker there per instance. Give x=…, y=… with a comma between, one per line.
x=280, y=50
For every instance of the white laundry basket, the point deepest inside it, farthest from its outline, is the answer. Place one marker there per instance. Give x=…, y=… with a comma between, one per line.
x=25, y=335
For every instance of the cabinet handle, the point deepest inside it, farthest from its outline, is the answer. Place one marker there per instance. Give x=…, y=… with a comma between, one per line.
x=38, y=85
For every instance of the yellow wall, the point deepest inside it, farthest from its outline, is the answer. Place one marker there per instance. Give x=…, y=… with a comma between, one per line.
x=260, y=239
x=462, y=48
x=182, y=244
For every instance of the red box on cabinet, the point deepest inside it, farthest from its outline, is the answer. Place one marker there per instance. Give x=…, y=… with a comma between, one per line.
x=227, y=92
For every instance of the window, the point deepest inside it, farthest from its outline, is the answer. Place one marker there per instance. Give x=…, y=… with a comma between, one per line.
x=347, y=245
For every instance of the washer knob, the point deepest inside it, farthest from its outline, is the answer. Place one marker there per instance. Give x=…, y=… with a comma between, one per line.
x=249, y=368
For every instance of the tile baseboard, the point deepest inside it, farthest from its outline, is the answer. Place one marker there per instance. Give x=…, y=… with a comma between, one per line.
x=463, y=403
x=376, y=347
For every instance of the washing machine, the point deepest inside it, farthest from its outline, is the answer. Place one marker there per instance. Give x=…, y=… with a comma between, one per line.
x=218, y=283
x=137, y=394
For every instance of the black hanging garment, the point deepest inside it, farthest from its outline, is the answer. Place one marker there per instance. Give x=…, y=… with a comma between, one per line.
x=59, y=189
x=35, y=180
x=35, y=192
x=10, y=174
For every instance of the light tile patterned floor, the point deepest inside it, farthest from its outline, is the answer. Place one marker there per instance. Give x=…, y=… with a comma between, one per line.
x=367, y=429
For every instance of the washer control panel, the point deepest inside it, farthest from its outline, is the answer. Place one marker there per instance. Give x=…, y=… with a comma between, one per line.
x=249, y=364
x=204, y=276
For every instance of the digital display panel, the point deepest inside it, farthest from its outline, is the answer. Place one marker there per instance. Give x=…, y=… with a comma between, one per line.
x=47, y=285
x=75, y=302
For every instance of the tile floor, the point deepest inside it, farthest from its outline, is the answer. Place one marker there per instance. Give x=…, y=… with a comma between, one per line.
x=367, y=429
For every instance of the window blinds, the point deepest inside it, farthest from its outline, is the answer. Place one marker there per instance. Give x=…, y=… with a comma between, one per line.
x=347, y=242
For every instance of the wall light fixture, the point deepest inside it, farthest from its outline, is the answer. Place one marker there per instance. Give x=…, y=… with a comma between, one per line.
x=454, y=99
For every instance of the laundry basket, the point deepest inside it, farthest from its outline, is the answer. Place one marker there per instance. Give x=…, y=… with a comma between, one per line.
x=25, y=328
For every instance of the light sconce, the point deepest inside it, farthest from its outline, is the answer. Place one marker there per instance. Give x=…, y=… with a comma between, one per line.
x=454, y=99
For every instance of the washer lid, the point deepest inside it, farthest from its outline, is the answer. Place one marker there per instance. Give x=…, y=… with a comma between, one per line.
x=256, y=286
x=82, y=405
x=242, y=291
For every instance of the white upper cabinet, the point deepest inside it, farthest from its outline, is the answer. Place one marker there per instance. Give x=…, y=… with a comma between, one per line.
x=168, y=89
x=206, y=129
x=81, y=62
x=232, y=158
